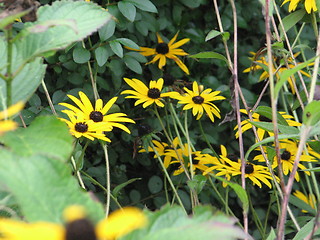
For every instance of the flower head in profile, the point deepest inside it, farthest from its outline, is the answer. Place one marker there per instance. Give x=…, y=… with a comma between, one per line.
x=166, y=50
x=310, y=199
x=278, y=67
x=98, y=113
x=199, y=101
x=256, y=117
x=288, y=149
x=144, y=94
x=5, y=123
x=79, y=127
x=77, y=226
x=310, y=5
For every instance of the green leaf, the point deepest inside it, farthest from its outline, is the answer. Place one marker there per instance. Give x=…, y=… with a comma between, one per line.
x=145, y=5
x=272, y=235
x=301, y=204
x=107, y=30
x=197, y=183
x=210, y=55
x=311, y=113
x=284, y=75
x=267, y=112
x=87, y=18
x=212, y=34
x=127, y=42
x=11, y=18
x=284, y=129
x=81, y=55
x=117, y=189
x=102, y=55
x=306, y=230
x=155, y=184
x=291, y=20
x=30, y=141
x=132, y=64
x=43, y=187
x=127, y=9
x=116, y=48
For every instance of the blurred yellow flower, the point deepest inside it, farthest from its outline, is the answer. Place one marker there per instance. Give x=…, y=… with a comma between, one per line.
x=7, y=124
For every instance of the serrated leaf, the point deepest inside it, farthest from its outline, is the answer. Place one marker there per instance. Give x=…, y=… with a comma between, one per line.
x=145, y=5
x=127, y=9
x=81, y=55
x=116, y=48
x=102, y=55
x=46, y=135
x=133, y=64
x=43, y=187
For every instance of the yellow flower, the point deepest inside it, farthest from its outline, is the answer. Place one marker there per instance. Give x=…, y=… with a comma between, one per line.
x=256, y=117
x=6, y=124
x=145, y=95
x=276, y=69
x=199, y=101
x=310, y=199
x=98, y=113
x=78, y=226
x=310, y=5
x=166, y=50
x=288, y=154
x=79, y=127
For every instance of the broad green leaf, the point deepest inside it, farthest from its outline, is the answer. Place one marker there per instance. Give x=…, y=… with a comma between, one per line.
x=127, y=9
x=43, y=187
x=87, y=18
x=311, y=113
x=282, y=128
x=81, y=55
x=306, y=230
x=291, y=20
x=272, y=235
x=102, y=55
x=171, y=223
x=107, y=30
x=267, y=112
x=197, y=183
x=284, y=75
x=212, y=34
x=155, y=184
x=118, y=188
x=301, y=204
x=127, y=42
x=145, y=5
x=46, y=135
x=210, y=55
x=132, y=64
x=116, y=48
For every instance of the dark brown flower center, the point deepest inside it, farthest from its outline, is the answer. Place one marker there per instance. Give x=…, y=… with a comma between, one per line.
x=154, y=93
x=81, y=229
x=198, y=99
x=248, y=168
x=233, y=157
x=81, y=127
x=285, y=155
x=162, y=48
x=96, y=116
x=264, y=119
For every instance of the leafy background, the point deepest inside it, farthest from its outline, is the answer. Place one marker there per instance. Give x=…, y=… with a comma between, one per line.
x=136, y=23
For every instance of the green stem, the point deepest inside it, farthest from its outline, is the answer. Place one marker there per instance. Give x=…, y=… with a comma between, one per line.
x=9, y=66
x=168, y=177
x=102, y=187
x=104, y=146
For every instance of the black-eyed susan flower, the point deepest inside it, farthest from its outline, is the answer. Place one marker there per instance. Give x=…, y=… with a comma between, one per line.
x=166, y=50
x=98, y=113
x=78, y=226
x=277, y=68
x=288, y=150
x=256, y=173
x=256, y=117
x=79, y=127
x=310, y=199
x=7, y=124
x=310, y=5
x=199, y=101
x=144, y=94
